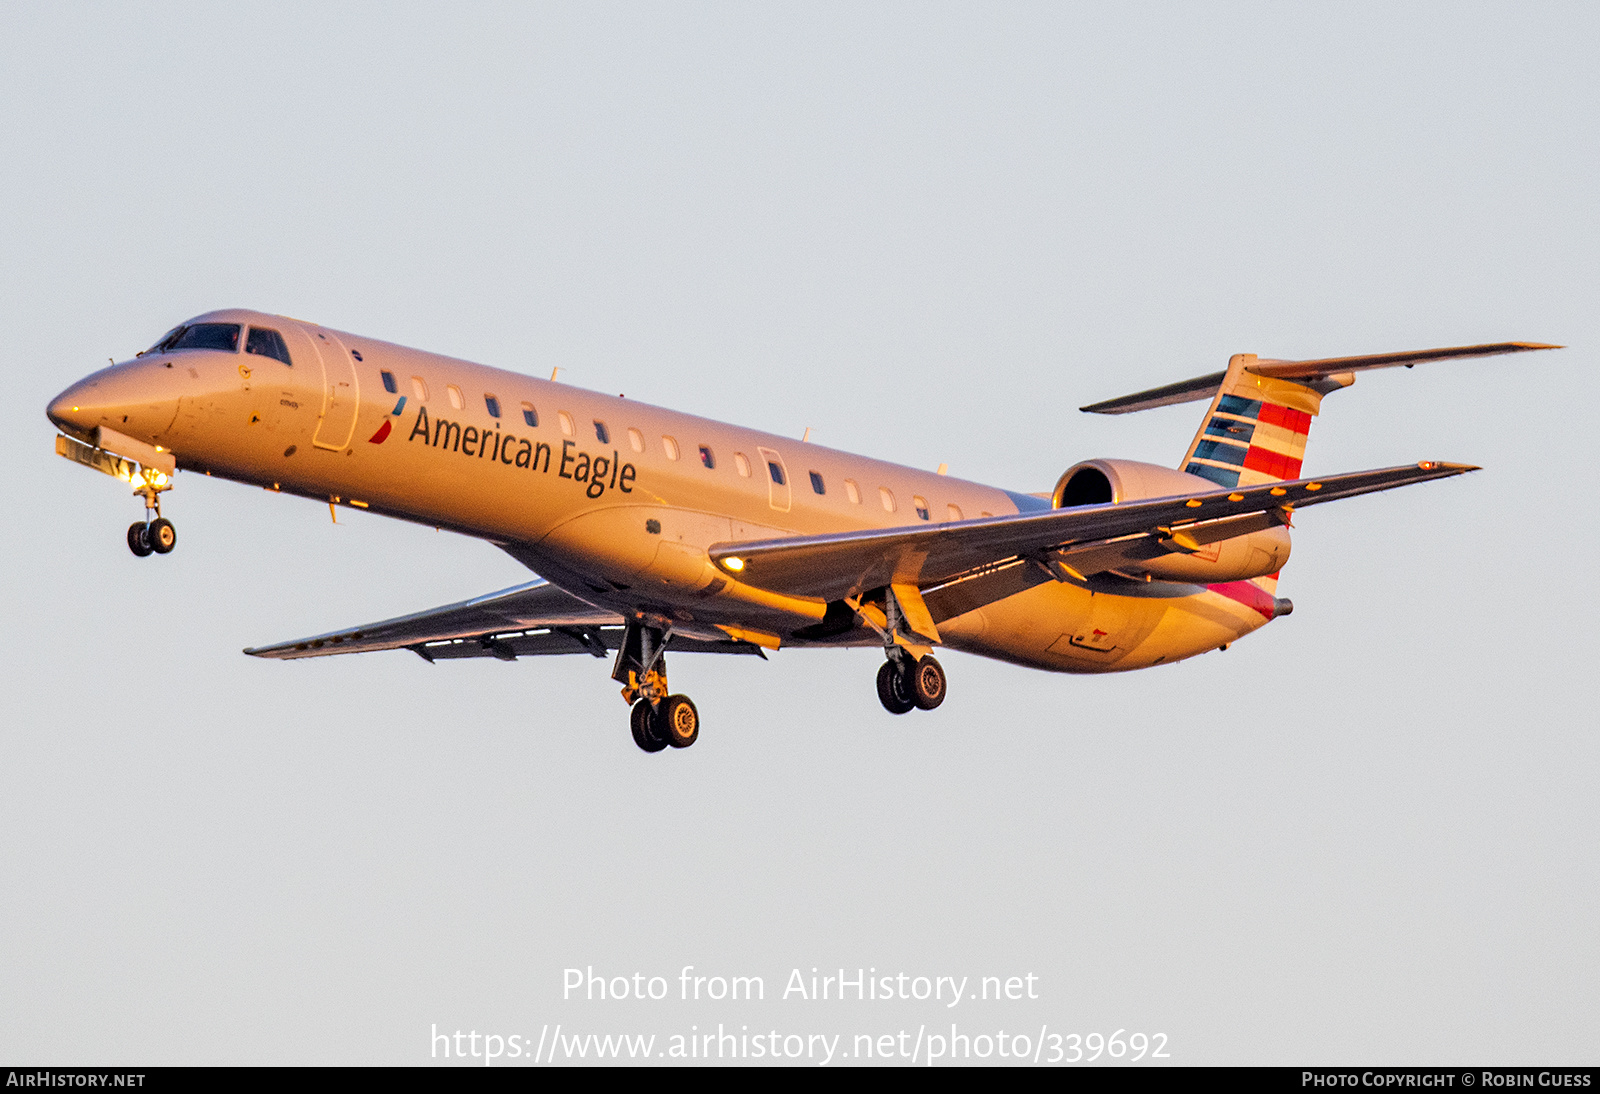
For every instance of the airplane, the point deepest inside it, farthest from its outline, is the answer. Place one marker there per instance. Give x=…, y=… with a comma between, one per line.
x=651, y=530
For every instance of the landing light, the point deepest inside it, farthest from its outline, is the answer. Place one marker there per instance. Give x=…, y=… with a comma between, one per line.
x=734, y=564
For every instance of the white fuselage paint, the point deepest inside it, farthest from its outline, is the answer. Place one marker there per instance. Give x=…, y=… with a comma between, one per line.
x=639, y=543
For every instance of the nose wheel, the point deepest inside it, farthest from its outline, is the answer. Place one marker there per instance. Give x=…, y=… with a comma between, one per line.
x=153, y=535
x=139, y=538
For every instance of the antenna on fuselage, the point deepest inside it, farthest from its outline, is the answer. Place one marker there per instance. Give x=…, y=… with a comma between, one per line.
x=553, y=373
x=807, y=435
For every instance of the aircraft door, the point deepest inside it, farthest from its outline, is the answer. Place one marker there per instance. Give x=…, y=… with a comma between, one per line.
x=340, y=392
x=777, y=480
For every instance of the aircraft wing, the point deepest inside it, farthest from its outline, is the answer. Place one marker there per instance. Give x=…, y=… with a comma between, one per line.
x=522, y=621
x=1087, y=539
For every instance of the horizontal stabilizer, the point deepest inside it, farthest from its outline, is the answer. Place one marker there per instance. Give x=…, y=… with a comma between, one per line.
x=1204, y=387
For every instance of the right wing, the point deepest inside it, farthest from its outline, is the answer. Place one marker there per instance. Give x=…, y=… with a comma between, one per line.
x=522, y=621
x=1087, y=539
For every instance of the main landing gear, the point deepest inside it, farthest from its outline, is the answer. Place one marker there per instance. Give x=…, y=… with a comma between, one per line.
x=909, y=679
x=154, y=534
x=674, y=721
x=656, y=718
x=907, y=683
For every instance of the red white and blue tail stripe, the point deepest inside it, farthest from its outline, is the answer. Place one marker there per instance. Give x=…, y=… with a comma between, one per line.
x=1255, y=430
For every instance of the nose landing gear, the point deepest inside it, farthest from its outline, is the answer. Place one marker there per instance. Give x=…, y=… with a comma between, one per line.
x=155, y=535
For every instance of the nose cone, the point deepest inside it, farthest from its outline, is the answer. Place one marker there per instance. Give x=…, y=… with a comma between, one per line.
x=68, y=412
x=137, y=398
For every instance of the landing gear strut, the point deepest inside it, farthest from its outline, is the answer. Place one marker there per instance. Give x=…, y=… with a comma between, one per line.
x=656, y=719
x=153, y=534
x=909, y=679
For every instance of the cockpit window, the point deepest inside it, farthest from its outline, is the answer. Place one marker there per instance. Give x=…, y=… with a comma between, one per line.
x=268, y=343
x=223, y=336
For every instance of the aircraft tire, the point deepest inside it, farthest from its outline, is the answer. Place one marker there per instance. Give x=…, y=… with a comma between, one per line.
x=678, y=721
x=641, y=719
x=163, y=536
x=925, y=682
x=893, y=691
x=139, y=538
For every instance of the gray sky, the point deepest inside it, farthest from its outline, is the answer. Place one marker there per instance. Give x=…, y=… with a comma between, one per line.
x=929, y=233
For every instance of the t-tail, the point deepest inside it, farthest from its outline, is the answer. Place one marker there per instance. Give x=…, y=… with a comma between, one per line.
x=1255, y=429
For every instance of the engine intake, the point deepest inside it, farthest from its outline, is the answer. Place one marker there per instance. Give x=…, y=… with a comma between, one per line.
x=1253, y=552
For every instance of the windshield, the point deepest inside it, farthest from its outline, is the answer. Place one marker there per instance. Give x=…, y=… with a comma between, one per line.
x=267, y=343
x=223, y=336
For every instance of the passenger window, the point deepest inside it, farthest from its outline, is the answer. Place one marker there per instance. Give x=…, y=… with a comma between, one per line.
x=954, y=510
x=670, y=447
x=741, y=465
x=707, y=458
x=388, y=377
x=223, y=336
x=920, y=504
x=566, y=423
x=816, y=484
x=493, y=404
x=455, y=396
x=887, y=499
x=635, y=440
x=852, y=491
x=776, y=472
x=419, y=388
x=530, y=415
x=269, y=343
x=601, y=433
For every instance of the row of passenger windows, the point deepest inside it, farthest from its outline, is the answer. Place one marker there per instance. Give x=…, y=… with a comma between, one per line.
x=669, y=447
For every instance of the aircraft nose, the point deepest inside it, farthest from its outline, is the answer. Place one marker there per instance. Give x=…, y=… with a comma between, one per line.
x=69, y=410
x=134, y=398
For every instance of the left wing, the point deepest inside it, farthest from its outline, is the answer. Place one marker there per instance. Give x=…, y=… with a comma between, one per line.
x=522, y=621
x=1087, y=539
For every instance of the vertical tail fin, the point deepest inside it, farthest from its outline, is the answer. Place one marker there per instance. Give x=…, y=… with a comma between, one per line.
x=1255, y=429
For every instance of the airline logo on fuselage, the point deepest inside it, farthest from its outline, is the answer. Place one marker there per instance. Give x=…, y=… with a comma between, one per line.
x=597, y=473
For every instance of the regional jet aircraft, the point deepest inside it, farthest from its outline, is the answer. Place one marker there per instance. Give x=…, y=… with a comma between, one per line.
x=653, y=530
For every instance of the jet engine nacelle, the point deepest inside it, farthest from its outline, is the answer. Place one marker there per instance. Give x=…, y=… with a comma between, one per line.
x=1252, y=552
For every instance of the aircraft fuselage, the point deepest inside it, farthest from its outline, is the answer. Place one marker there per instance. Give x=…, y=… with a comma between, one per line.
x=613, y=499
